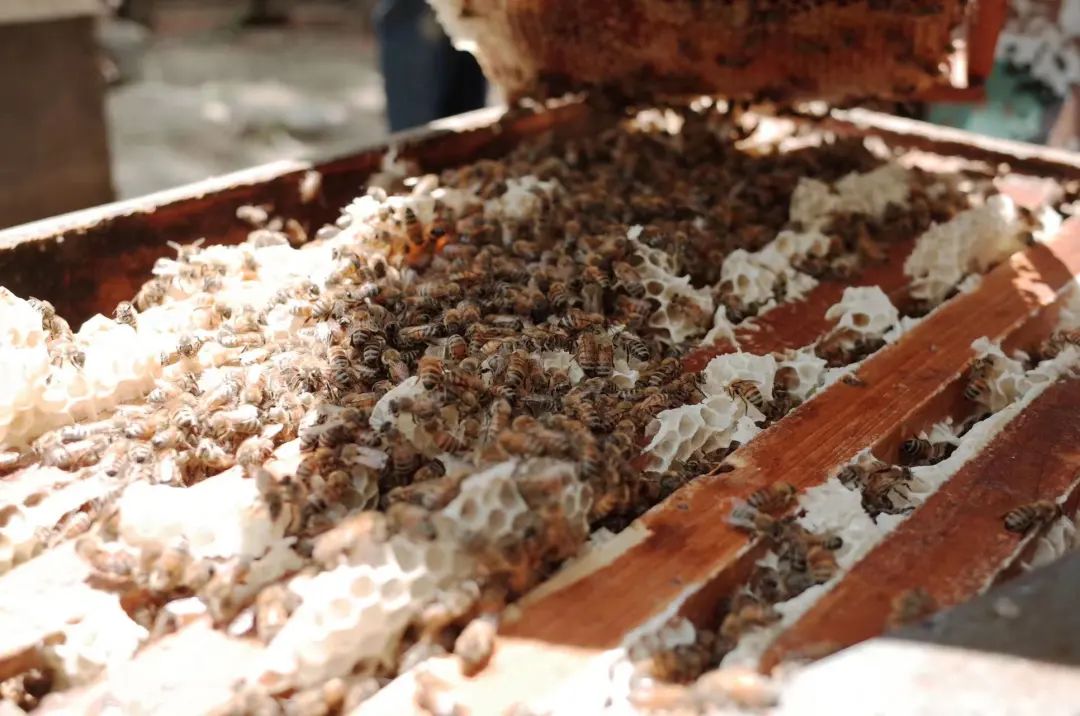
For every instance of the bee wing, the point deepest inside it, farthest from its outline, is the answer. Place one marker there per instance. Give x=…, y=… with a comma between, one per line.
x=742, y=514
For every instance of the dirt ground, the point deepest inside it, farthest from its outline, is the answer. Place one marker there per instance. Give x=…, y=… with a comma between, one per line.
x=201, y=102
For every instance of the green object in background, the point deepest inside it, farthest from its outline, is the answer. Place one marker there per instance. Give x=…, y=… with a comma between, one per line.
x=1016, y=107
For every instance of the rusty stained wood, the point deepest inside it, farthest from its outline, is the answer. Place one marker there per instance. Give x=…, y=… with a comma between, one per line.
x=955, y=544
x=690, y=556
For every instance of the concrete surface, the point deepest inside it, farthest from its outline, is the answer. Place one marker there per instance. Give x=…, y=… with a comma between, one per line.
x=215, y=100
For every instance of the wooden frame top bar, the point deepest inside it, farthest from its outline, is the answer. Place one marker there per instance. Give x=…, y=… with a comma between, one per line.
x=954, y=545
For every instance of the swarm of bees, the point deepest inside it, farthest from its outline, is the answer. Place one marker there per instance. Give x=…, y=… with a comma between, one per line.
x=484, y=312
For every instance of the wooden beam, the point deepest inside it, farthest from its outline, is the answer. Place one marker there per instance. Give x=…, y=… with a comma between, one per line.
x=955, y=544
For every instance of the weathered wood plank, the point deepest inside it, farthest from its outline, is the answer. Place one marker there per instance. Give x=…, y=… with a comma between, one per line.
x=954, y=545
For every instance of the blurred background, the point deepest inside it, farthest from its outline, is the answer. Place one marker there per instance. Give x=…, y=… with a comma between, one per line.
x=202, y=87
x=121, y=98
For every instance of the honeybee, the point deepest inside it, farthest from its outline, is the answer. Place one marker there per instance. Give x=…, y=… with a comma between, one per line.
x=667, y=370
x=518, y=369
x=448, y=441
x=781, y=404
x=166, y=570
x=978, y=390
x=910, y=606
x=800, y=534
x=433, y=696
x=140, y=453
x=13, y=460
x=513, y=442
x=187, y=346
x=821, y=564
x=605, y=361
x=786, y=379
x=273, y=606
x=586, y=412
x=476, y=643
x=152, y=293
x=746, y=517
x=71, y=525
x=126, y=314
x=765, y=585
x=404, y=460
x=856, y=473
x=82, y=431
x=747, y=391
x=169, y=436
x=633, y=312
x=1024, y=518
x=414, y=230
x=424, y=409
x=578, y=320
x=633, y=345
x=210, y=454
x=559, y=296
x=70, y=456
x=773, y=497
x=254, y=450
x=456, y=347
x=118, y=564
x=395, y=366
x=745, y=616
x=422, y=332
x=628, y=279
x=430, y=371
x=186, y=418
x=241, y=340
x=431, y=470
x=242, y=420
x=65, y=352
x=919, y=451
x=882, y=489
x=50, y=321
x=853, y=380
x=1059, y=341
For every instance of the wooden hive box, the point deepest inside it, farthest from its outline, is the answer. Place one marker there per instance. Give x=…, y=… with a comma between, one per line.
x=682, y=558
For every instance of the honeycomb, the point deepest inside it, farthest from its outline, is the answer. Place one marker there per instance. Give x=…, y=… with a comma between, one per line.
x=969, y=243
x=775, y=50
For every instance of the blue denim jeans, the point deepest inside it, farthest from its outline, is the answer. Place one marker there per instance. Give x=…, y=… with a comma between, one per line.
x=424, y=76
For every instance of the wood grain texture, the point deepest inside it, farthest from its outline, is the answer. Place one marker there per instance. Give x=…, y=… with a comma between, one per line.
x=954, y=545
x=54, y=152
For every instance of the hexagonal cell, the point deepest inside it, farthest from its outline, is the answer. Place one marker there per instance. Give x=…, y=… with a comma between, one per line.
x=865, y=311
x=970, y=242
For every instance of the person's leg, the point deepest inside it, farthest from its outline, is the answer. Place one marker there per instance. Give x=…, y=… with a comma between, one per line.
x=263, y=13
x=468, y=90
x=412, y=57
